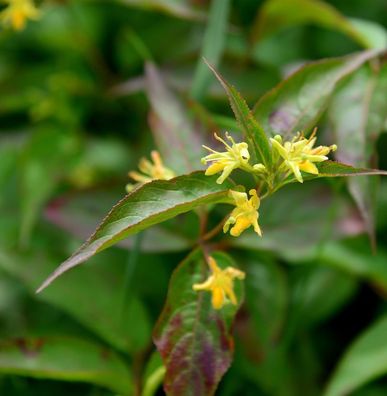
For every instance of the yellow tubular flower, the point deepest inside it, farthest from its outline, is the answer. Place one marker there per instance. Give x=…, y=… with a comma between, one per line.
x=18, y=12
x=245, y=214
x=151, y=171
x=221, y=284
x=236, y=156
x=299, y=154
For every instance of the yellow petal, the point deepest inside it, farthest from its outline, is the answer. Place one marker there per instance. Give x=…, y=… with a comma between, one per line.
x=309, y=167
x=218, y=298
x=214, y=168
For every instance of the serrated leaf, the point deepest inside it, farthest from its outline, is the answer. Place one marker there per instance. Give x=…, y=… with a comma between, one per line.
x=276, y=15
x=150, y=204
x=193, y=338
x=65, y=359
x=79, y=214
x=178, y=138
x=365, y=360
x=337, y=169
x=296, y=103
x=253, y=131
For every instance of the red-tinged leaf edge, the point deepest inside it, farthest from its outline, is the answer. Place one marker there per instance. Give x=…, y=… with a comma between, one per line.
x=338, y=169
x=192, y=337
x=254, y=132
x=109, y=232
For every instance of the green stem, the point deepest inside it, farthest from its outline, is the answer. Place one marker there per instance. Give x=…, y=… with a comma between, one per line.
x=153, y=382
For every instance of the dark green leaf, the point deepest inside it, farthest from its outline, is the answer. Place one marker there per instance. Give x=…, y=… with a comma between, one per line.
x=276, y=15
x=357, y=116
x=103, y=316
x=193, y=338
x=297, y=220
x=365, y=360
x=65, y=359
x=297, y=102
x=213, y=44
x=267, y=300
x=254, y=132
x=176, y=135
x=80, y=213
x=150, y=204
x=337, y=169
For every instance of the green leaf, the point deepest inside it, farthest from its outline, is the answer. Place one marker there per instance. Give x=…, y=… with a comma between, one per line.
x=276, y=15
x=357, y=115
x=193, y=338
x=44, y=161
x=177, y=137
x=295, y=232
x=365, y=360
x=296, y=103
x=267, y=300
x=213, y=45
x=79, y=214
x=337, y=169
x=103, y=316
x=372, y=32
x=65, y=359
x=149, y=204
x=311, y=304
x=254, y=132
x=354, y=256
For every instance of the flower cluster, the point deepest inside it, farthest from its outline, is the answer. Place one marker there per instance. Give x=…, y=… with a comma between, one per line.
x=288, y=158
x=18, y=12
x=299, y=155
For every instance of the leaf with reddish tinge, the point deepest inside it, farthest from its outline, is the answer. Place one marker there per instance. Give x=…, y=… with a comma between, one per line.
x=296, y=103
x=149, y=204
x=178, y=138
x=358, y=115
x=80, y=213
x=337, y=169
x=65, y=359
x=193, y=338
x=254, y=132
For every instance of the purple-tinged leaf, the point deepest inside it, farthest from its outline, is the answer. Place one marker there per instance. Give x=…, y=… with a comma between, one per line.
x=149, y=204
x=337, y=169
x=192, y=337
x=358, y=115
x=177, y=137
x=296, y=103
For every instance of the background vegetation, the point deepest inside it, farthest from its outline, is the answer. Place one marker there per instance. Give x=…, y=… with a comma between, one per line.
x=92, y=86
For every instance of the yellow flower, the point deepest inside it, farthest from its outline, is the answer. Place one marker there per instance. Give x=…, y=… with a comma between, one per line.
x=151, y=171
x=299, y=154
x=245, y=214
x=236, y=156
x=17, y=13
x=221, y=284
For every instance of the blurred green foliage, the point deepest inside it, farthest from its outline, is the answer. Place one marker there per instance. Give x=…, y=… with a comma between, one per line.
x=91, y=87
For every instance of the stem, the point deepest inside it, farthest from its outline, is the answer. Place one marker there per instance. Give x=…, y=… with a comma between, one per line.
x=210, y=234
x=153, y=382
